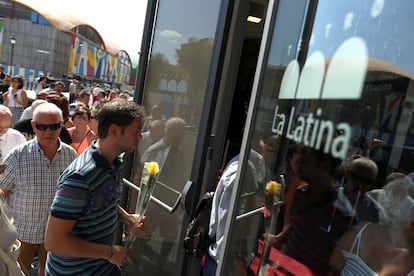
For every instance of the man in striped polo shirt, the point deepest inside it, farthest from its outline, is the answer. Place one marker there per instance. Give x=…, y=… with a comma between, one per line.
x=84, y=214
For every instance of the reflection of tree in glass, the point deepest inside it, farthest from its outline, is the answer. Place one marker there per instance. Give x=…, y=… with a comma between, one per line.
x=159, y=65
x=193, y=59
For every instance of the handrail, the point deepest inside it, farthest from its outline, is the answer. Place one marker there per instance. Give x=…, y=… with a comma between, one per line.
x=165, y=206
x=250, y=213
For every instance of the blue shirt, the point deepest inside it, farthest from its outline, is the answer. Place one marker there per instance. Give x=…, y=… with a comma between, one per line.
x=88, y=192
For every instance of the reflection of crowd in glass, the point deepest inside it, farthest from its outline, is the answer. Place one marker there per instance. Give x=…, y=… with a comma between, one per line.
x=370, y=237
x=348, y=217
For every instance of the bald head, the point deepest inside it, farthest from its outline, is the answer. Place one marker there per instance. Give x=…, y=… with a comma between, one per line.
x=363, y=173
x=174, y=130
x=5, y=111
x=5, y=119
x=364, y=165
x=36, y=104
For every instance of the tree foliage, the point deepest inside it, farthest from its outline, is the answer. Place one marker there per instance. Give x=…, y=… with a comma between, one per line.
x=194, y=59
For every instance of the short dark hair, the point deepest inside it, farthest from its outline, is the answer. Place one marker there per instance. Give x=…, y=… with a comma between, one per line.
x=322, y=156
x=20, y=79
x=61, y=102
x=80, y=110
x=119, y=112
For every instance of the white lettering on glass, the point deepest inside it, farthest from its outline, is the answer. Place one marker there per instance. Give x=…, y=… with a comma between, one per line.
x=344, y=79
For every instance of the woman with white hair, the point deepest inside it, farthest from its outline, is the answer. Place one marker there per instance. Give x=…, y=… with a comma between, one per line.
x=367, y=247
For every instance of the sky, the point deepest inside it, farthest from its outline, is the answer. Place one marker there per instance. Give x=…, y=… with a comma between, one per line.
x=384, y=26
x=120, y=23
x=175, y=25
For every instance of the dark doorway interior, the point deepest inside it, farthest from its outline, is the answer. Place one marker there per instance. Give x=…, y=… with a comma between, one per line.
x=244, y=84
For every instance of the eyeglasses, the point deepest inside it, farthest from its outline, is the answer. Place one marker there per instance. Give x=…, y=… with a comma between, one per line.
x=43, y=127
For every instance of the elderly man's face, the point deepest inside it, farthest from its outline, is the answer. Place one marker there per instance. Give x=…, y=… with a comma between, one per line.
x=47, y=128
x=5, y=123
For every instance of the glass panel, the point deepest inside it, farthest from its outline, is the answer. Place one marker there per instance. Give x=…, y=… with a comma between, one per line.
x=174, y=91
x=335, y=117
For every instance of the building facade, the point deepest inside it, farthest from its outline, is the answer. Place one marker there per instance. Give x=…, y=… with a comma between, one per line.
x=42, y=49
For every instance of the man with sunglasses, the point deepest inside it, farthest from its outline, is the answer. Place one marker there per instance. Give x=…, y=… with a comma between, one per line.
x=29, y=181
x=24, y=126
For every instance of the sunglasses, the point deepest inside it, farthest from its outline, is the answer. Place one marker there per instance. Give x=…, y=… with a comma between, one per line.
x=51, y=127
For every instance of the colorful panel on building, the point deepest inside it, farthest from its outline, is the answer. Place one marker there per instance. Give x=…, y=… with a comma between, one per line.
x=88, y=60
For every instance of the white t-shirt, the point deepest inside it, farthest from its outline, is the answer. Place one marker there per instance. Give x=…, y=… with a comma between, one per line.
x=9, y=140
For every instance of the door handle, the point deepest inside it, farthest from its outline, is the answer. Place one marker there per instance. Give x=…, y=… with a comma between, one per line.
x=165, y=206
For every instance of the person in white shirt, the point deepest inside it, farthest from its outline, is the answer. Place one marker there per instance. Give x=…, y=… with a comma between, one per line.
x=153, y=135
x=28, y=111
x=9, y=138
x=16, y=98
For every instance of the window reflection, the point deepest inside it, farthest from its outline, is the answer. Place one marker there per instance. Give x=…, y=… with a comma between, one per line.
x=335, y=116
x=174, y=91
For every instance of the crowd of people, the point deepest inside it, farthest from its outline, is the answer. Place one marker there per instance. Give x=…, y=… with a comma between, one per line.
x=334, y=220
x=61, y=178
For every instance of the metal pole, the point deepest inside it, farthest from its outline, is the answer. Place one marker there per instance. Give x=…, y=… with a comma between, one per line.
x=12, y=42
x=11, y=59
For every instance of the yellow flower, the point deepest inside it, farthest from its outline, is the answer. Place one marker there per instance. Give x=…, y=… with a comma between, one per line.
x=273, y=187
x=152, y=168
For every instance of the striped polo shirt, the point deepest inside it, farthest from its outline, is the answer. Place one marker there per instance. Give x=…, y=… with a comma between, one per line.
x=88, y=192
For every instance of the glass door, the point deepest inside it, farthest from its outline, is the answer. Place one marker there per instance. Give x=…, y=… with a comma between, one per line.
x=334, y=90
x=174, y=96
